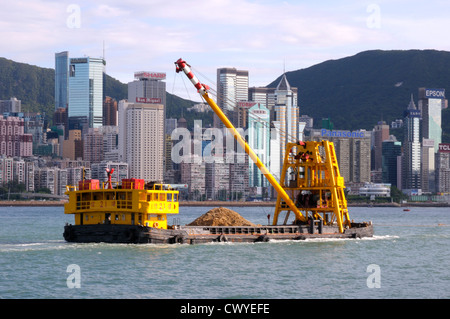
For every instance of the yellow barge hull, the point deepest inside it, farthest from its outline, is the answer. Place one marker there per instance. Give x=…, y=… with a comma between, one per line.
x=138, y=234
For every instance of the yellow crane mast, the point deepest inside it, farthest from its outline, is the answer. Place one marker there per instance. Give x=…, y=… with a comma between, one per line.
x=311, y=175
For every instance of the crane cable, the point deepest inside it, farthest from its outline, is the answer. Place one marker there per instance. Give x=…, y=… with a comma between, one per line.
x=289, y=137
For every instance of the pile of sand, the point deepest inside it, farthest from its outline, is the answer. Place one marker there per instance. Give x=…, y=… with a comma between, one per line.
x=221, y=216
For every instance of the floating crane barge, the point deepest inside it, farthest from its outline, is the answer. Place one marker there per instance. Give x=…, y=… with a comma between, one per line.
x=310, y=187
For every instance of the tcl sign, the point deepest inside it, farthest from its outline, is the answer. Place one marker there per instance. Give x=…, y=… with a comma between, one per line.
x=444, y=148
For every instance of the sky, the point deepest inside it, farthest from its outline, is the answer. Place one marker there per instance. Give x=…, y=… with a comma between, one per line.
x=265, y=37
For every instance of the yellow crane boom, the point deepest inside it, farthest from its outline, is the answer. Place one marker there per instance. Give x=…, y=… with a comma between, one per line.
x=181, y=65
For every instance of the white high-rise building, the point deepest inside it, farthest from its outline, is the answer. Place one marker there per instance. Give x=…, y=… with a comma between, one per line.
x=411, y=165
x=431, y=103
x=282, y=102
x=148, y=87
x=428, y=166
x=232, y=87
x=259, y=141
x=286, y=112
x=141, y=139
x=275, y=162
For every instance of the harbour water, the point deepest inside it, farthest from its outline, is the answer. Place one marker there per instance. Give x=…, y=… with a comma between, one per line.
x=409, y=257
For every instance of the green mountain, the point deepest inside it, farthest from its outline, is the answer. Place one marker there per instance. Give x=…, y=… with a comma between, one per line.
x=35, y=87
x=358, y=91
x=354, y=92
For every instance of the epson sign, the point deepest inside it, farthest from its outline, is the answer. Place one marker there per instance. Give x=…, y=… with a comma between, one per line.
x=435, y=93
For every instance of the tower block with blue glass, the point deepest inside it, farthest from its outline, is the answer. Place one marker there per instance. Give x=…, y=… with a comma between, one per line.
x=86, y=92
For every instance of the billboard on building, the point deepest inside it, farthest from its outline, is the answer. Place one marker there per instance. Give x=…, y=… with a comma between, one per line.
x=444, y=148
x=246, y=104
x=336, y=133
x=435, y=93
x=412, y=113
x=150, y=75
x=427, y=142
x=149, y=100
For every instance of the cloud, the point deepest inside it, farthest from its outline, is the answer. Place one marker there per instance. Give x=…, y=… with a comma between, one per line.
x=259, y=36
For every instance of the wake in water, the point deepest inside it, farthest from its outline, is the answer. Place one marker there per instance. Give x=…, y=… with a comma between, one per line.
x=48, y=245
x=308, y=240
x=61, y=244
x=318, y=240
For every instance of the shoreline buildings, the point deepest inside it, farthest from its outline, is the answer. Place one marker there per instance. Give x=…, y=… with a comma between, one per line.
x=95, y=135
x=421, y=156
x=352, y=152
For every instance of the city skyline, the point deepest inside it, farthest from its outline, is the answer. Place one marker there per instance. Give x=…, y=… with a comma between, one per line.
x=265, y=38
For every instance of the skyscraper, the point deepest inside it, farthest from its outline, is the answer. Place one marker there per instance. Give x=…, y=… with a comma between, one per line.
x=381, y=133
x=93, y=146
x=193, y=174
x=263, y=95
x=86, y=92
x=259, y=141
x=232, y=87
x=286, y=112
x=427, y=162
x=61, y=80
x=360, y=156
x=148, y=87
x=391, y=149
x=109, y=112
x=141, y=139
x=284, y=118
x=431, y=103
x=443, y=169
x=411, y=173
